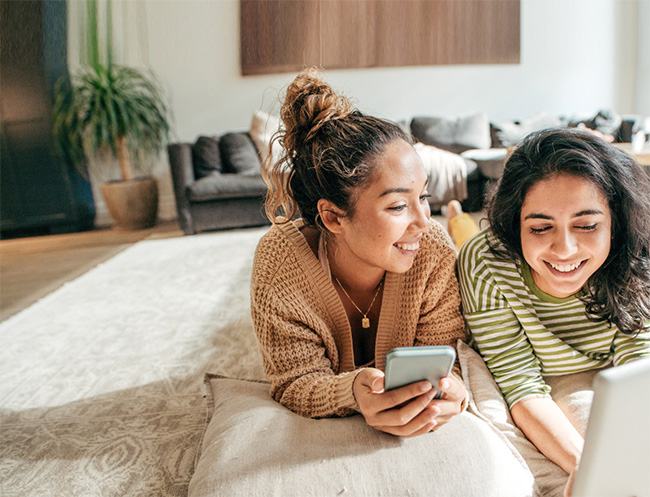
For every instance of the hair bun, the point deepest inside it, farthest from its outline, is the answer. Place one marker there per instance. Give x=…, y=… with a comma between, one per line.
x=310, y=103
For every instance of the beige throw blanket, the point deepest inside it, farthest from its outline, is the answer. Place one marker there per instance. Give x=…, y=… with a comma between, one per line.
x=447, y=174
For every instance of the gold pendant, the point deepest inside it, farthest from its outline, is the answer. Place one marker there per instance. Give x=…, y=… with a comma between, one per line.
x=365, y=323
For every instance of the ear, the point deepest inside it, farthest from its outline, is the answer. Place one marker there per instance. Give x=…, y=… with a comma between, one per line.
x=330, y=215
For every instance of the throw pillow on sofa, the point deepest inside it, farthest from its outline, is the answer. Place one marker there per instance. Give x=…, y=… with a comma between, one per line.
x=206, y=156
x=454, y=134
x=239, y=154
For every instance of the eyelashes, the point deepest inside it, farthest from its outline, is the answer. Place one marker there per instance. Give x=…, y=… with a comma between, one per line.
x=401, y=207
x=590, y=227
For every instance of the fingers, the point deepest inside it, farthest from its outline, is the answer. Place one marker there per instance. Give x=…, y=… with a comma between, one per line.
x=424, y=422
x=398, y=396
x=410, y=410
x=405, y=414
x=452, y=389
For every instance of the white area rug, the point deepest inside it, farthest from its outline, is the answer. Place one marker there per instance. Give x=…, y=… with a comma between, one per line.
x=100, y=381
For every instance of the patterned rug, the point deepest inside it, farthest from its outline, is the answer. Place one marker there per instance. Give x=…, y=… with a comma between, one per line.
x=101, y=381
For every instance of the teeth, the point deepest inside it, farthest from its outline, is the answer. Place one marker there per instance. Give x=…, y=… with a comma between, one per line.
x=408, y=246
x=564, y=268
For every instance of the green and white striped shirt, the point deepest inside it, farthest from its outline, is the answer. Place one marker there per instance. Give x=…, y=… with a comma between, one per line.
x=523, y=333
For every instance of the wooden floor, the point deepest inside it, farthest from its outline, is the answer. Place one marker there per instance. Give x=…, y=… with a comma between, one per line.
x=32, y=267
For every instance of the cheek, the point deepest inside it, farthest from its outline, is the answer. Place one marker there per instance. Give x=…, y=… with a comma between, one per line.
x=530, y=246
x=604, y=245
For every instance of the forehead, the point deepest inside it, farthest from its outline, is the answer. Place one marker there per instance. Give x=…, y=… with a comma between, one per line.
x=398, y=166
x=564, y=191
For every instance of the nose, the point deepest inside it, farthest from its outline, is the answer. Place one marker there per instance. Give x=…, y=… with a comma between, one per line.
x=564, y=243
x=422, y=216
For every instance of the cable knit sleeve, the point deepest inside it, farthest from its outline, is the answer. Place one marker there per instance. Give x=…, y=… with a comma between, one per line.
x=295, y=358
x=294, y=330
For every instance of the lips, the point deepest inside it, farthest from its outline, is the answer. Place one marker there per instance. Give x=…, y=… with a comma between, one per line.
x=409, y=247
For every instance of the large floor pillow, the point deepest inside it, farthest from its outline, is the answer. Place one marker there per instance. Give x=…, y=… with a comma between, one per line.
x=572, y=393
x=253, y=446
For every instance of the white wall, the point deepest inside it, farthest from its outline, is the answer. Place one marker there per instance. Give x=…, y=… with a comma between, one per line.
x=577, y=56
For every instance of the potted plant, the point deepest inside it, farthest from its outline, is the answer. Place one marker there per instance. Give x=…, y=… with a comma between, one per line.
x=109, y=111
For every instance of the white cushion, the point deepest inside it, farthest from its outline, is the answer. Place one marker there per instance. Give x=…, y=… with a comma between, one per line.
x=511, y=133
x=253, y=446
x=485, y=154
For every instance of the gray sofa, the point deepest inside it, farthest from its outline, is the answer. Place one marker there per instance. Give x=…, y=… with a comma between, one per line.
x=217, y=183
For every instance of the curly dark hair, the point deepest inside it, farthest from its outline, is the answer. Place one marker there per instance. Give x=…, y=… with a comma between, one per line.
x=328, y=147
x=619, y=291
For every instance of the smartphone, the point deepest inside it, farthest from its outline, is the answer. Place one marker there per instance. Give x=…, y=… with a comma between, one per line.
x=406, y=365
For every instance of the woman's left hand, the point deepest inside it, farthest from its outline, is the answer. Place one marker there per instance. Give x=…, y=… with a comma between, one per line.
x=453, y=395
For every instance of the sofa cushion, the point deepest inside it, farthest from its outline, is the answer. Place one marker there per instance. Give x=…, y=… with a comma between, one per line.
x=206, y=156
x=256, y=447
x=223, y=186
x=239, y=154
x=455, y=134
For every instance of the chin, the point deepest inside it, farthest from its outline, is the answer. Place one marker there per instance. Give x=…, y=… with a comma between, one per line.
x=562, y=291
x=399, y=268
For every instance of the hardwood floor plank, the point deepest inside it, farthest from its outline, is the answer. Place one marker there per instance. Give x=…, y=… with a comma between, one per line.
x=31, y=268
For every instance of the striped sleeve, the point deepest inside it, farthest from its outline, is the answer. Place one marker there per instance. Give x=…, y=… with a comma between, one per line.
x=628, y=348
x=496, y=329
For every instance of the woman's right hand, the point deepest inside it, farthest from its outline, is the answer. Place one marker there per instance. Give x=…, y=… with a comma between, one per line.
x=405, y=411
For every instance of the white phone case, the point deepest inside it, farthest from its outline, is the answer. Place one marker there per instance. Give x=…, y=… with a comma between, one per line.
x=406, y=365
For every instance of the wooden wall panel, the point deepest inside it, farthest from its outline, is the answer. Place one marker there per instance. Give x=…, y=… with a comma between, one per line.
x=279, y=35
x=348, y=39
x=288, y=35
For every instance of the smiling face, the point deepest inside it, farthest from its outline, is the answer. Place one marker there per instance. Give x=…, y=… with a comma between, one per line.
x=390, y=216
x=565, y=233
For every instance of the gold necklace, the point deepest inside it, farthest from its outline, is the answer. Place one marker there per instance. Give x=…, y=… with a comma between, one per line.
x=365, y=322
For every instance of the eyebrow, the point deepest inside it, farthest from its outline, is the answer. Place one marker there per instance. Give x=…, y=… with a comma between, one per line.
x=396, y=190
x=401, y=190
x=586, y=212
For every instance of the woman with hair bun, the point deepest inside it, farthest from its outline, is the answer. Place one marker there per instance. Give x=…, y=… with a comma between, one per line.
x=362, y=270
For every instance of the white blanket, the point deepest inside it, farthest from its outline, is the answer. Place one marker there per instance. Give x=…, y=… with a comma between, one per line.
x=447, y=174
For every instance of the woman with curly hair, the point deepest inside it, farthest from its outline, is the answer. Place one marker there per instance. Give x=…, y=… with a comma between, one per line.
x=352, y=267
x=559, y=283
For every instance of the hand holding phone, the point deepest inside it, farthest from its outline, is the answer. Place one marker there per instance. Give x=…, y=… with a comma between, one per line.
x=406, y=365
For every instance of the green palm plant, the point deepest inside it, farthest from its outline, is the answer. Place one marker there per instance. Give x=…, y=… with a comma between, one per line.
x=110, y=108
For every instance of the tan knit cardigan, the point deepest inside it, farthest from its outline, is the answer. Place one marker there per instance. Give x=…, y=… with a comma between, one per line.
x=304, y=333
